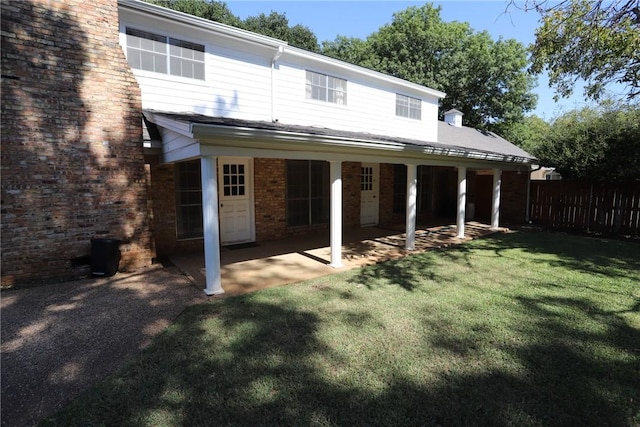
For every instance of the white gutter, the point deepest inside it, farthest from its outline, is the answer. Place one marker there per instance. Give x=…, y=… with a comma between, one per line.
x=204, y=24
x=201, y=131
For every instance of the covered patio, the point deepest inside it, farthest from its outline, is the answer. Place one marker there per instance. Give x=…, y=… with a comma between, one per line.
x=251, y=267
x=256, y=181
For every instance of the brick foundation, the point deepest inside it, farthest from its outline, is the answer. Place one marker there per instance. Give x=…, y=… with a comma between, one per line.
x=72, y=159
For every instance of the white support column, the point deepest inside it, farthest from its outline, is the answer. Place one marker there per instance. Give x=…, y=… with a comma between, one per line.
x=335, y=171
x=495, y=204
x=462, y=200
x=211, y=228
x=412, y=195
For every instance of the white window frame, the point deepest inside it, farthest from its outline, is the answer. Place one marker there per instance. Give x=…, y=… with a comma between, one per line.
x=325, y=88
x=185, y=56
x=408, y=106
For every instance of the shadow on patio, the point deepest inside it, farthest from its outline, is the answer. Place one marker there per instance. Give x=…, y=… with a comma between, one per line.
x=247, y=268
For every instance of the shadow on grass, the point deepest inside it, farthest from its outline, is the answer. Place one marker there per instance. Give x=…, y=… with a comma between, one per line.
x=610, y=258
x=589, y=254
x=570, y=364
x=405, y=272
x=250, y=362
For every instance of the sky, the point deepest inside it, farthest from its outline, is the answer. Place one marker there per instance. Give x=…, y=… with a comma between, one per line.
x=328, y=19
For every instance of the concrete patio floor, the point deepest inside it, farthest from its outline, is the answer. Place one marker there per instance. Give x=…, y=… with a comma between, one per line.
x=247, y=268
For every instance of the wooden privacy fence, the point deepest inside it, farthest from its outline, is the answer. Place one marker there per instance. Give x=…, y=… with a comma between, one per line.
x=597, y=208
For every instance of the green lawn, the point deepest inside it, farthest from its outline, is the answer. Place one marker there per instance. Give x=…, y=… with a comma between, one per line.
x=513, y=329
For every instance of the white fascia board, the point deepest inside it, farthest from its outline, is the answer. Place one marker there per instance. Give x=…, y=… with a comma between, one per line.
x=189, y=152
x=177, y=126
x=336, y=148
x=193, y=21
x=269, y=153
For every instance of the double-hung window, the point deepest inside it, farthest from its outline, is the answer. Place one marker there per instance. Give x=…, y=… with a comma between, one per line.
x=166, y=55
x=322, y=87
x=407, y=106
x=308, y=192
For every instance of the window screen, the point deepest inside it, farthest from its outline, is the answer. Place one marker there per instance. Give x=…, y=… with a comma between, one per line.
x=188, y=200
x=308, y=192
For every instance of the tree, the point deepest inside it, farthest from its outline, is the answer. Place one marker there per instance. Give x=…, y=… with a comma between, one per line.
x=529, y=134
x=593, y=40
x=277, y=25
x=350, y=49
x=486, y=80
x=211, y=10
x=596, y=144
x=273, y=25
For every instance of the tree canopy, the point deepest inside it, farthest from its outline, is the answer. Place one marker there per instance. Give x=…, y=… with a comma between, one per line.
x=485, y=79
x=211, y=10
x=595, y=144
x=277, y=25
x=593, y=40
x=273, y=25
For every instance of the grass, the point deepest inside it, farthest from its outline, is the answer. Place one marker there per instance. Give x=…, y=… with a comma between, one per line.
x=518, y=329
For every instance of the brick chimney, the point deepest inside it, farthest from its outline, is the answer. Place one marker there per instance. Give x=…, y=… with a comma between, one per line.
x=72, y=158
x=453, y=117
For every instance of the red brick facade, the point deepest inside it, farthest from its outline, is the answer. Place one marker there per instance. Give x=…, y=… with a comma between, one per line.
x=270, y=201
x=269, y=192
x=72, y=159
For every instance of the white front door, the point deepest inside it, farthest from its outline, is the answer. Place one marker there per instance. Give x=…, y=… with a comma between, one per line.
x=369, y=193
x=235, y=178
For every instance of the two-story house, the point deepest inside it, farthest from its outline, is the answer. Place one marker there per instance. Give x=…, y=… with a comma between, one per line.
x=249, y=139
x=265, y=140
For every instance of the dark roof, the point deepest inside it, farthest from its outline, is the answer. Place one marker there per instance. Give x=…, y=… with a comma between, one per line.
x=457, y=141
x=476, y=139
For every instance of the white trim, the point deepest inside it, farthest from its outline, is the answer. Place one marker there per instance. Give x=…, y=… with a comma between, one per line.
x=249, y=187
x=375, y=189
x=217, y=133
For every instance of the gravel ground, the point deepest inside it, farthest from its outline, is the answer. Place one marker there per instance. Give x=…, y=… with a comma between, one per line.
x=59, y=339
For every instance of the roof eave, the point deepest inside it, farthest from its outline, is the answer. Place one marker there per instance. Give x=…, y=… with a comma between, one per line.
x=204, y=131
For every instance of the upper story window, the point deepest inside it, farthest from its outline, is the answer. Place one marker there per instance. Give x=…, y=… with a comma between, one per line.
x=407, y=106
x=326, y=88
x=161, y=54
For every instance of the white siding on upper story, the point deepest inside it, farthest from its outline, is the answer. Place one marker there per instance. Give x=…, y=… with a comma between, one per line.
x=237, y=77
x=239, y=82
x=371, y=105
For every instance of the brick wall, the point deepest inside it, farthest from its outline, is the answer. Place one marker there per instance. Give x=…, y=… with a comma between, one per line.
x=269, y=192
x=72, y=160
x=351, y=194
x=386, y=194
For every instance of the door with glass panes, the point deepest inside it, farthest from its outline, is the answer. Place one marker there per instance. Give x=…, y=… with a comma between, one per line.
x=235, y=199
x=369, y=193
